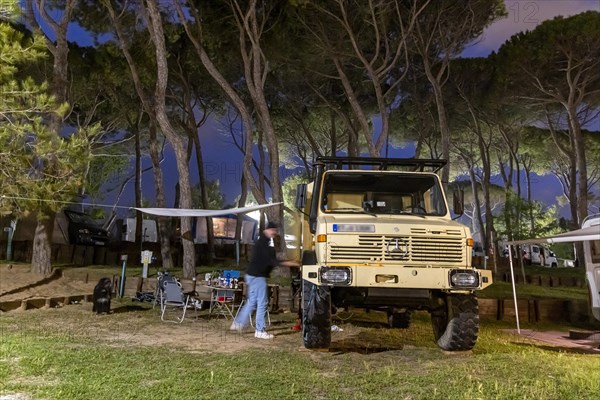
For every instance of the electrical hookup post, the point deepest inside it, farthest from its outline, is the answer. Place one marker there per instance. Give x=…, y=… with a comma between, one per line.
x=10, y=232
x=146, y=260
x=122, y=286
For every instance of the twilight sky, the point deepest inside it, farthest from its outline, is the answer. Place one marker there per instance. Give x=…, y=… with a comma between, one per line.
x=525, y=15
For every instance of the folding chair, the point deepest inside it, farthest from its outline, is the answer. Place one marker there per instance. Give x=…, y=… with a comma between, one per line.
x=173, y=296
x=159, y=291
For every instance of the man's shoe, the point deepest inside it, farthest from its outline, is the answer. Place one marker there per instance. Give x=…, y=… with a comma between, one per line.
x=262, y=335
x=236, y=327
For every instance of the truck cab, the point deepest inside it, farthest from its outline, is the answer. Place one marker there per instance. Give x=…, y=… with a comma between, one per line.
x=378, y=234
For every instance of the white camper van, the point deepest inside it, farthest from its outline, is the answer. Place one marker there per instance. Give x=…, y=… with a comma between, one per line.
x=539, y=255
x=591, y=250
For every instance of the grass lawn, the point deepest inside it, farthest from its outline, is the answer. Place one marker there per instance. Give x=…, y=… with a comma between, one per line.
x=70, y=353
x=503, y=290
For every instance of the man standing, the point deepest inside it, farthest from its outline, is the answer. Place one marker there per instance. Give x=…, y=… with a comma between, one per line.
x=261, y=264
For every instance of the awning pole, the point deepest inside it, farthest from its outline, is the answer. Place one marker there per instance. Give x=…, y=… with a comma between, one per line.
x=512, y=278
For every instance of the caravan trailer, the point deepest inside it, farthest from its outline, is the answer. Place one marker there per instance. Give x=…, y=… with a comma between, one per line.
x=591, y=250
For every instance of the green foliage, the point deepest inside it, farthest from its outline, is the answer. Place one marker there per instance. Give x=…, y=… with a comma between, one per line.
x=518, y=213
x=297, y=117
x=299, y=38
x=105, y=172
x=39, y=169
x=107, y=95
x=289, y=198
x=497, y=196
x=545, y=57
x=216, y=199
x=289, y=188
x=448, y=29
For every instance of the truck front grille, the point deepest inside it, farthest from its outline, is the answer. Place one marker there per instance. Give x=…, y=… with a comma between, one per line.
x=418, y=249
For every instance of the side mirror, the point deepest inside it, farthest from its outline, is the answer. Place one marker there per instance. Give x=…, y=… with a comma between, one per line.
x=458, y=201
x=300, y=196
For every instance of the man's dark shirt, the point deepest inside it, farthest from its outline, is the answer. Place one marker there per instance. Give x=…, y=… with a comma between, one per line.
x=263, y=258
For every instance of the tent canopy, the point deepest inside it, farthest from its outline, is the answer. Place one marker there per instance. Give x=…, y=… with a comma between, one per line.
x=186, y=212
x=578, y=235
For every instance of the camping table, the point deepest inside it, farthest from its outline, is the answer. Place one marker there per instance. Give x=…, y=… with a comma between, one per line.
x=224, y=301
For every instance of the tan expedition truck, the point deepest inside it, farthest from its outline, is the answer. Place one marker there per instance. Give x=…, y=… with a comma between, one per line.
x=377, y=234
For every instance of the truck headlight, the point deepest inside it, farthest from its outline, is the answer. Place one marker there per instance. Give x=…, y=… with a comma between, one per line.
x=461, y=278
x=336, y=275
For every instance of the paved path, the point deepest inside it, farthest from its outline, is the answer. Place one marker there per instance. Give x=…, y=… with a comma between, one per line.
x=560, y=339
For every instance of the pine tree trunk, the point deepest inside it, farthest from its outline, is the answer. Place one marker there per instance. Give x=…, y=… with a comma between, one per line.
x=164, y=224
x=41, y=259
x=205, y=201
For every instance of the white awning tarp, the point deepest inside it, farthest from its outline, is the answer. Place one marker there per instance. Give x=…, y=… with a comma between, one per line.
x=578, y=235
x=187, y=212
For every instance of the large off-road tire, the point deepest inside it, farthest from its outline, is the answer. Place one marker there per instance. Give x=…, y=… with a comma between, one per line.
x=399, y=319
x=455, y=321
x=316, y=316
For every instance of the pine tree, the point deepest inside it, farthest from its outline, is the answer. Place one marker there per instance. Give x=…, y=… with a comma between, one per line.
x=39, y=170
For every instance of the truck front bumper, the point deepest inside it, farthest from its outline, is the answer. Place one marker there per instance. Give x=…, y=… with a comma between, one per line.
x=442, y=278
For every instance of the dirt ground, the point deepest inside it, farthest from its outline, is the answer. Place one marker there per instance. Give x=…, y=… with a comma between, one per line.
x=139, y=323
x=133, y=322
x=17, y=283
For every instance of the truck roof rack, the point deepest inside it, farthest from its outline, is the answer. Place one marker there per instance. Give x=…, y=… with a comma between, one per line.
x=416, y=164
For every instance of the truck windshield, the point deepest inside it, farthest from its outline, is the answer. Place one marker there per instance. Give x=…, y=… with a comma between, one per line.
x=382, y=193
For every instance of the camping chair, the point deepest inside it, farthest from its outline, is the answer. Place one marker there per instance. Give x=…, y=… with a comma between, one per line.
x=159, y=291
x=173, y=296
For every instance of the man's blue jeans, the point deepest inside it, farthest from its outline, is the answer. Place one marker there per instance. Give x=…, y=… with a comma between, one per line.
x=257, y=300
